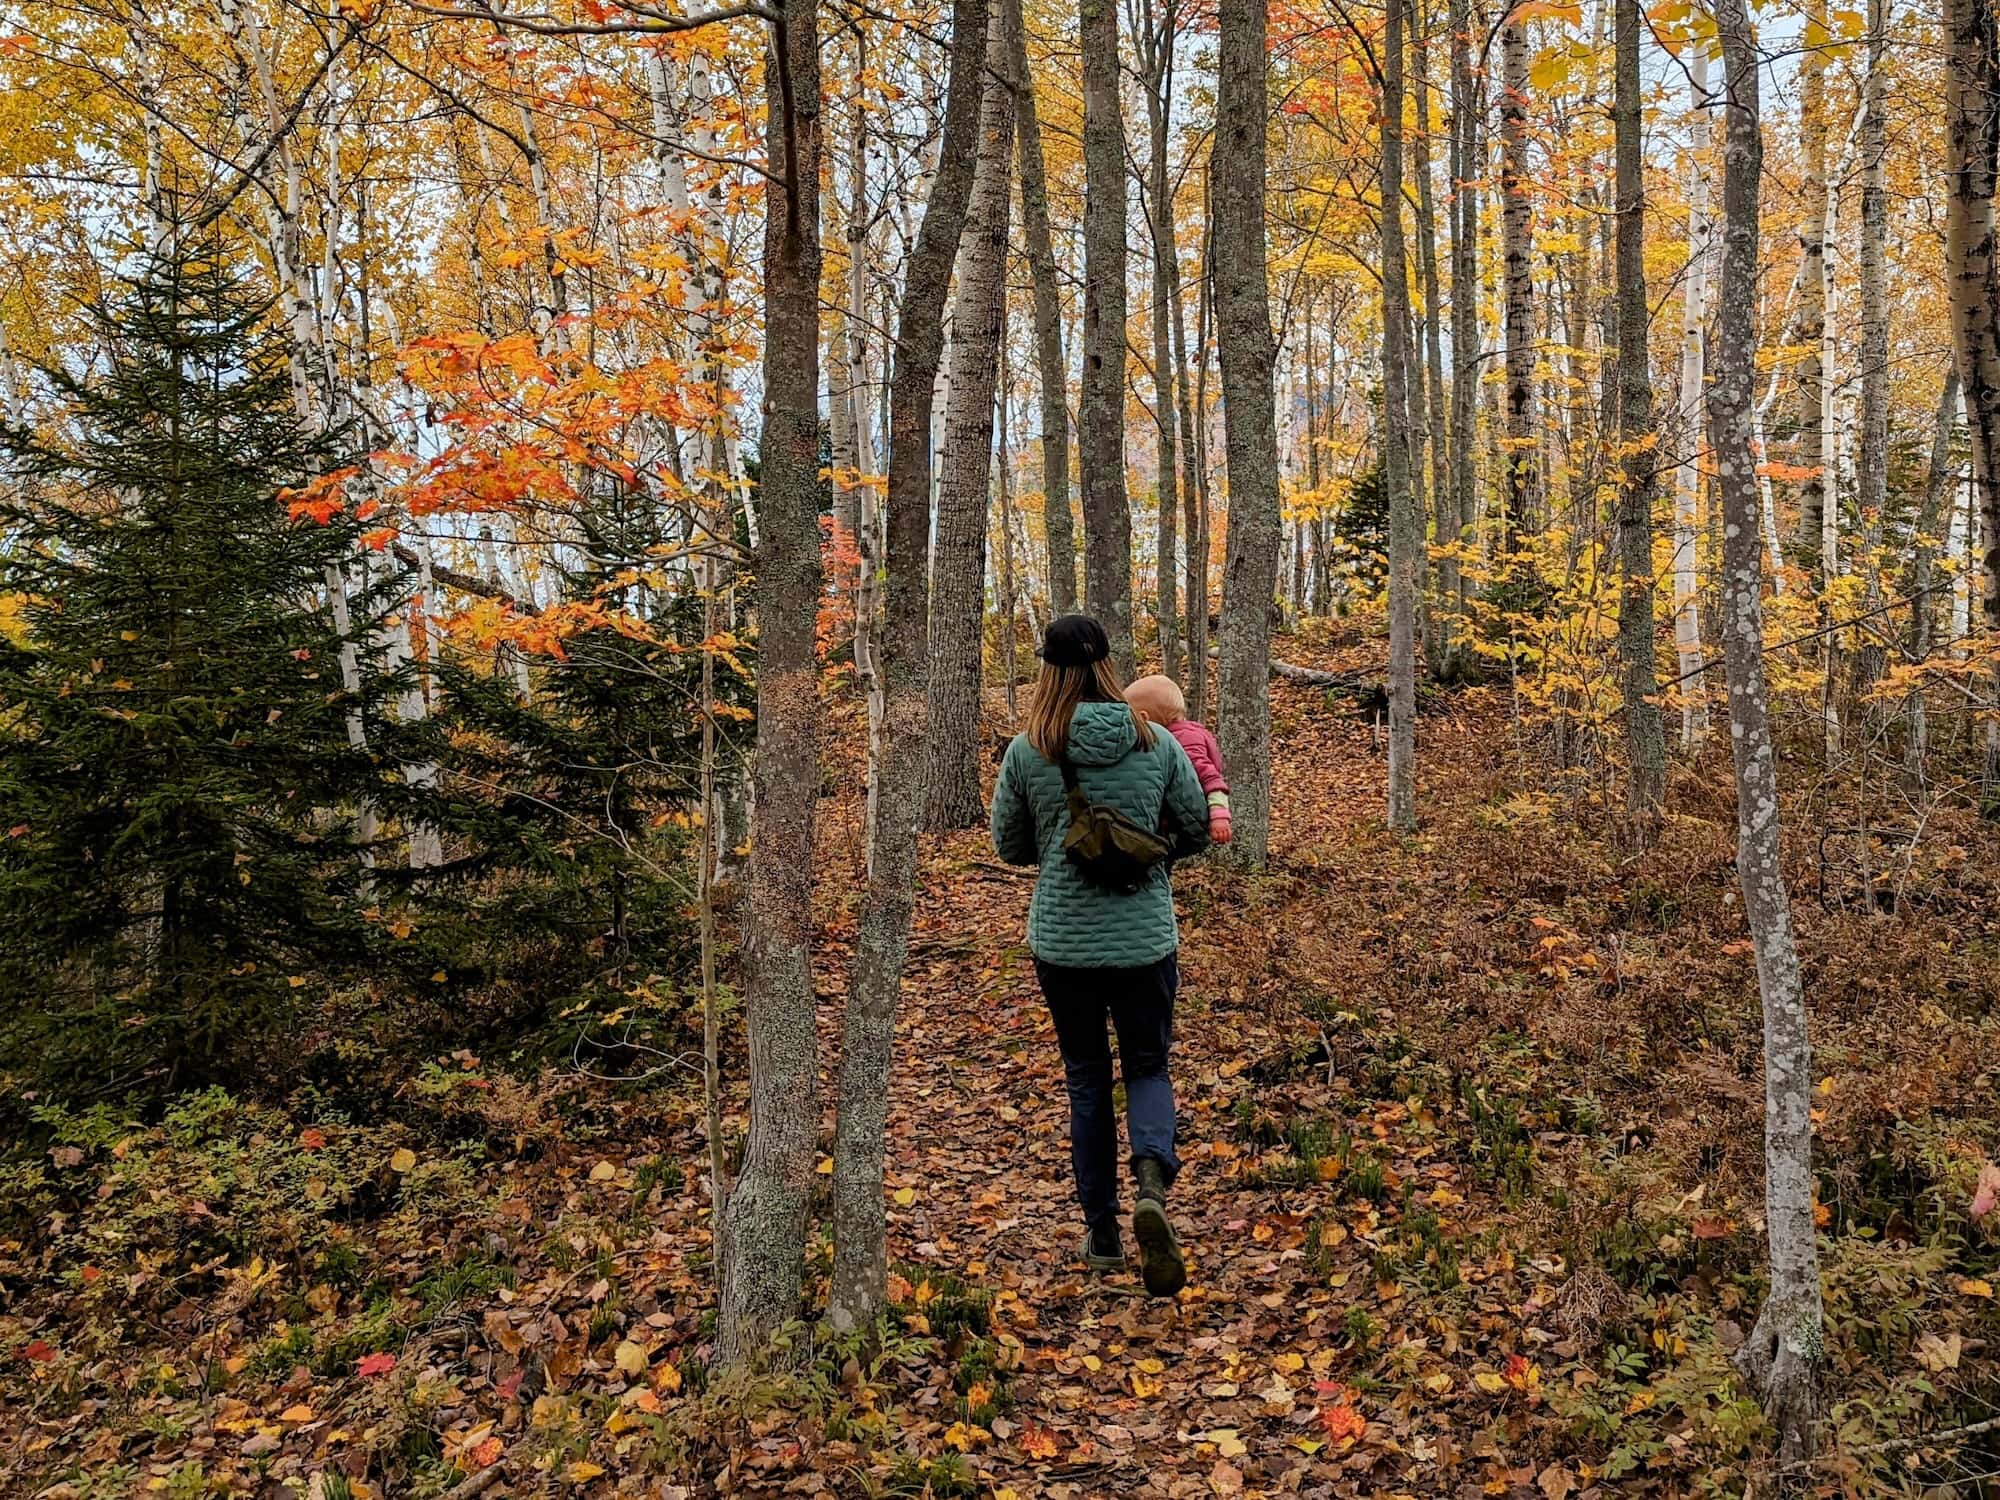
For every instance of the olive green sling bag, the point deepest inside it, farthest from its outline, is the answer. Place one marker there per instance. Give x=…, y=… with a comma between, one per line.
x=1107, y=848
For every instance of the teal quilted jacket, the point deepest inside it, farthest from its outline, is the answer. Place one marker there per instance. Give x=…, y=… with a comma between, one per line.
x=1070, y=921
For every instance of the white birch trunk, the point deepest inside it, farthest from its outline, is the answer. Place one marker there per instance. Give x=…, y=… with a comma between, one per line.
x=1783, y=1353
x=1687, y=473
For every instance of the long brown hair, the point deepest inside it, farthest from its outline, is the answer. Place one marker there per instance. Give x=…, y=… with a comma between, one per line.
x=1058, y=690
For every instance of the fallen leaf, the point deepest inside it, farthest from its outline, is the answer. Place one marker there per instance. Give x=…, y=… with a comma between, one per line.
x=1039, y=1442
x=1342, y=1423
x=1939, y=1355
x=403, y=1160
x=372, y=1365
x=630, y=1357
x=1972, y=1287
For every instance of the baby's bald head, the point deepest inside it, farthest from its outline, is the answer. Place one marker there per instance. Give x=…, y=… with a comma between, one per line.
x=1158, y=698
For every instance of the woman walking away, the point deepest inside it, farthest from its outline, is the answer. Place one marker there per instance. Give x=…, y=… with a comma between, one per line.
x=1103, y=805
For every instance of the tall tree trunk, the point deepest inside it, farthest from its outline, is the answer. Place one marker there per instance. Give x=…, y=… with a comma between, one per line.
x=1872, y=492
x=1645, y=738
x=1003, y=469
x=1100, y=417
x=1058, y=523
x=1405, y=527
x=1963, y=542
x=1517, y=255
x=1782, y=1355
x=861, y=505
x=867, y=500
x=1812, y=296
x=1156, y=54
x=1832, y=392
x=1449, y=641
x=1415, y=393
x=860, y=1266
x=958, y=585
x=1200, y=533
x=763, y=1229
x=1972, y=116
x=1687, y=473
x=1439, y=424
x=1767, y=506
x=1246, y=353
x=1194, y=593
x=1922, y=587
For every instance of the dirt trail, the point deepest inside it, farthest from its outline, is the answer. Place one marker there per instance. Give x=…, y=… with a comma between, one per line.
x=1239, y=1382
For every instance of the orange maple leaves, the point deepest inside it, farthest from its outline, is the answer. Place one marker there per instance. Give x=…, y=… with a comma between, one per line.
x=319, y=500
x=1337, y=1417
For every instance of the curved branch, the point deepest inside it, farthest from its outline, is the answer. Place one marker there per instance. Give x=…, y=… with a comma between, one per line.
x=659, y=23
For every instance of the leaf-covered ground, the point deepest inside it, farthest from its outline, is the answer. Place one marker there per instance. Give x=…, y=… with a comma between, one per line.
x=1471, y=1130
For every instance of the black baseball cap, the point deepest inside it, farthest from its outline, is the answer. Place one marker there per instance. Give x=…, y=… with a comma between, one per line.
x=1074, y=641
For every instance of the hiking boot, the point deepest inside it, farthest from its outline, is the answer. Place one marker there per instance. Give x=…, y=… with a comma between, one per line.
x=1160, y=1261
x=1102, y=1249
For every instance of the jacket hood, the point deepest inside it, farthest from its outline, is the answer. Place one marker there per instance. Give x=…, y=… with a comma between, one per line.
x=1101, y=734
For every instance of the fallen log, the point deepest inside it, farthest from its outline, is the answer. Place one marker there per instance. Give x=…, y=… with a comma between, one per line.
x=1313, y=676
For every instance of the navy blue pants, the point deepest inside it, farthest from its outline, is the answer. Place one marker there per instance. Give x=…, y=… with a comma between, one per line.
x=1139, y=1005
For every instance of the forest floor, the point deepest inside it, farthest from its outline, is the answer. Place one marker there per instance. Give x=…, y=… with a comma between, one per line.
x=1472, y=1131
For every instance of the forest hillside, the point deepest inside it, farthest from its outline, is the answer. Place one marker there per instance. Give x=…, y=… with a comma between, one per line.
x=1473, y=1196
x=558, y=567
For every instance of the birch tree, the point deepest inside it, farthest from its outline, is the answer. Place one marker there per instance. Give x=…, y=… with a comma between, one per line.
x=1405, y=524
x=1645, y=738
x=1520, y=445
x=1872, y=491
x=1781, y=1357
x=1464, y=224
x=958, y=585
x=1972, y=124
x=1687, y=472
x=1812, y=292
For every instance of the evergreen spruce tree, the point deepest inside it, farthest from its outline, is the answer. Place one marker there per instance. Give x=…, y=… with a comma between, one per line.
x=581, y=829
x=176, y=871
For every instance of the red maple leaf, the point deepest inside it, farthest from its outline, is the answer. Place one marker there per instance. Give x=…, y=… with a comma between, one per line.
x=1038, y=1442
x=372, y=1365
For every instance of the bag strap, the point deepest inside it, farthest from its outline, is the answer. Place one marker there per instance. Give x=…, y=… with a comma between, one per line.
x=1079, y=804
